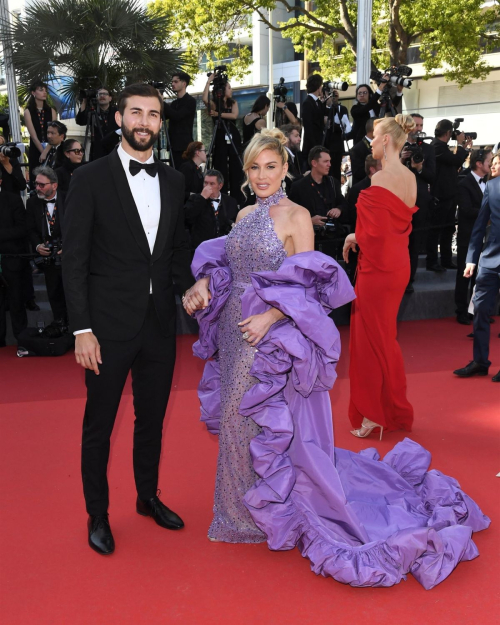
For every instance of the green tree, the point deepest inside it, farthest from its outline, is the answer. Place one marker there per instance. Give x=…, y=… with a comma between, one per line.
x=88, y=43
x=450, y=35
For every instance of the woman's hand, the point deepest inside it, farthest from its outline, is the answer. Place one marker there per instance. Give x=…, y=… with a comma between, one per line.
x=45, y=152
x=349, y=244
x=197, y=297
x=256, y=327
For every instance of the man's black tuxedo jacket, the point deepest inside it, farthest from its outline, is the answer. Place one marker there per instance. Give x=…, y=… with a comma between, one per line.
x=37, y=220
x=313, y=122
x=200, y=217
x=107, y=263
x=181, y=113
x=358, y=154
x=470, y=198
x=13, y=230
x=445, y=185
x=489, y=212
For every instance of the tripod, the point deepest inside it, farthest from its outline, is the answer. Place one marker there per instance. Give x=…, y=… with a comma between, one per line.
x=163, y=145
x=219, y=122
x=279, y=117
x=386, y=103
x=93, y=122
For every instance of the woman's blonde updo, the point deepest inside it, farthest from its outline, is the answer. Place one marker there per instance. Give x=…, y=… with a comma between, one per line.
x=273, y=140
x=396, y=127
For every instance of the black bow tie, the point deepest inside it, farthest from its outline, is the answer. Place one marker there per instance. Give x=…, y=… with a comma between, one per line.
x=52, y=201
x=135, y=167
x=485, y=179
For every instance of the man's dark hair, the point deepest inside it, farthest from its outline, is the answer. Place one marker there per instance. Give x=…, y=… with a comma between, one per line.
x=478, y=156
x=370, y=162
x=287, y=129
x=140, y=89
x=417, y=115
x=369, y=125
x=61, y=128
x=182, y=76
x=313, y=83
x=48, y=172
x=315, y=153
x=216, y=173
x=442, y=127
x=260, y=103
x=368, y=88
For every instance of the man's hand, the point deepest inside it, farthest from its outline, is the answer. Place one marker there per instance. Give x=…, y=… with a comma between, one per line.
x=43, y=250
x=88, y=351
x=197, y=297
x=460, y=138
x=5, y=161
x=417, y=166
x=206, y=192
x=469, y=270
x=334, y=213
x=404, y=156
x=318, y=220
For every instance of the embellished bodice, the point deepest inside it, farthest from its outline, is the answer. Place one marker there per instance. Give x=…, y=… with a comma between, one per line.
x=253, y=244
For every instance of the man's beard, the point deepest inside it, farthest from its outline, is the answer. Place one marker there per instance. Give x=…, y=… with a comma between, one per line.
x=136, y=144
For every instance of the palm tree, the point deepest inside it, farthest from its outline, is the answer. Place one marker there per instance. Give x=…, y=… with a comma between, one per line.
x=75, y=44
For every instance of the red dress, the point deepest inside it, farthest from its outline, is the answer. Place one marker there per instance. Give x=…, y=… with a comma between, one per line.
x=377, y=375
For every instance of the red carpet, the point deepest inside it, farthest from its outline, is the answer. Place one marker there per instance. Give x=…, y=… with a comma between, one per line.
x=50, y=576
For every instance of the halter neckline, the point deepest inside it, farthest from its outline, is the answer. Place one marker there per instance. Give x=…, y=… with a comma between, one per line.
x=272, y=200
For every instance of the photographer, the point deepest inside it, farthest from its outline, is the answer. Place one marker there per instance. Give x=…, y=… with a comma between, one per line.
x=13, y=180
x=419, y=157
x=194, y=156
x=360, y=151
x=367, y=105
x=68, y=160
x=290, y=111
x=470, y=196
x=105, y=137
x=226, y=157
x=255, y=121
x=313, y=115
x=56, y=135
x=37, y=115
x=293, y=138
x=444, y=191
x=321, y=194
x=13, y=238
x=211, y=213
x=45, y=214
x=339, y=128
x=180, y=113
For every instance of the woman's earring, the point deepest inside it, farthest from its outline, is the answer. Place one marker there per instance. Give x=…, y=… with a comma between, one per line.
x=385, y=153
x=250, y=188
x=283, y=185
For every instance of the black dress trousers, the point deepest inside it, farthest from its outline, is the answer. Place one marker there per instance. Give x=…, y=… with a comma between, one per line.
x=150, y=355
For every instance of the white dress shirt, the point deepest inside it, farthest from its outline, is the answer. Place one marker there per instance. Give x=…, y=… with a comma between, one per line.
x=145, y=190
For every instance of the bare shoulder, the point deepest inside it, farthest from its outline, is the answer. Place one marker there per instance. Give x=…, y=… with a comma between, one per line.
x=295, y=212
x=244, y=212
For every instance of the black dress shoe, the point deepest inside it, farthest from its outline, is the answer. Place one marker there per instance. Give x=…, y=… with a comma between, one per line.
x=450, y=265
x=162, y=515
x=496, y=378
x=436, y=267
x=100, y=536
x=32, y=305
x=473, y=368
x=464, y=319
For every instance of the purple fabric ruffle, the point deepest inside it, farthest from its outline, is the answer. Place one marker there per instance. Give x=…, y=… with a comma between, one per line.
x=362, y=521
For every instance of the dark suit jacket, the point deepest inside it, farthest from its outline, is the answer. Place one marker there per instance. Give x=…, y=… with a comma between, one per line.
x=490, y=211
x=470, y=198
x=313, y=122
x=105, y=137
x=358, y=153
x=334, y=139
x=352, y=199
x=360, y=114
x=201, y=220
x=37, y=220
x=13, y=230
x=445, y=185
x=107, y=263
x=181, y=113
x=14, y=182
x=302, y=193
x=193, y=177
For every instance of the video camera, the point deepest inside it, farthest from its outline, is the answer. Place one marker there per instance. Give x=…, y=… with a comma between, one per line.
x=10, y=150
x=397, y=76
x=280, y=91
x=219, y=82
x=157, y=84
x=456, y=132
x=330, y=87
x=89, y=93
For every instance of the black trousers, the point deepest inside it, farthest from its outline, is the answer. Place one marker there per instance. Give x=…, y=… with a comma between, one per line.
x=416, y=239
x=485, y=297
x=463, y=286
x=177, y=156
x=13, y=296
x=226, y=160
x=55, y=291
x=151, y=357
x=336, y=163
x=441, y=229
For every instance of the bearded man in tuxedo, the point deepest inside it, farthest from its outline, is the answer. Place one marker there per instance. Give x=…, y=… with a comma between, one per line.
x=124, y=249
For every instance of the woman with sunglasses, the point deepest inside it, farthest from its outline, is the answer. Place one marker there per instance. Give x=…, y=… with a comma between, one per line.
x=69, y=157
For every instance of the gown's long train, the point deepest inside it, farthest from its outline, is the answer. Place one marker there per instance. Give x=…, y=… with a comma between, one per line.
x=359, y=519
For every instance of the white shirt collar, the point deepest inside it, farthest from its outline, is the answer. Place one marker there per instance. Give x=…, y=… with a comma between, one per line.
x=126, y=158
x=314, y=97
x=368, y=139
x=478, y=178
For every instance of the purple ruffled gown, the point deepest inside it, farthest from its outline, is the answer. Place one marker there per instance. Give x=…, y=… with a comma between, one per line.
x=362, y=520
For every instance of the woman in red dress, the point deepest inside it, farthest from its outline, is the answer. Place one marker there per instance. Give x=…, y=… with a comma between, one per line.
x=377, y=376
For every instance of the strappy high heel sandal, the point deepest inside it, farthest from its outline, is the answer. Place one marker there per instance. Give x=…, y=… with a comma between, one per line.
x=367, y=428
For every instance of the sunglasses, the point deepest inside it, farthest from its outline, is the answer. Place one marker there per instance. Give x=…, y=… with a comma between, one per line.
x=42, y=184
x=76, y=150
x=362, y=92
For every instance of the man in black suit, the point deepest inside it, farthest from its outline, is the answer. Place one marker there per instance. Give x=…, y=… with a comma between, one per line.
x=359, y=152
x=210, y=214
x=444, y=191
x=339, y=127
x=487, y=280
x=105, y=126
x=13, y=233
x=181, y=113
x=313, y=115
x=293, y=138
x=56, y=135
x=470, y=196
x=124, y=246
x=45, y=214
x=372, y=165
